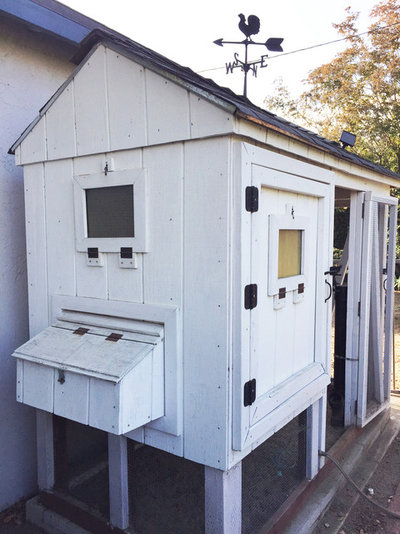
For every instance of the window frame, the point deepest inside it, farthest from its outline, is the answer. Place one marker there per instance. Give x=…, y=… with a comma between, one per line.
x=134, y=177
x=285, y=222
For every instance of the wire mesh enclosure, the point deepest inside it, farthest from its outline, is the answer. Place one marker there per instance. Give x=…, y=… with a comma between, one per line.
x=166, y=493
x=81, y=464
x=272, y=472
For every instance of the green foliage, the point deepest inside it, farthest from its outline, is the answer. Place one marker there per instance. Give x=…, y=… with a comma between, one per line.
x=359, y=90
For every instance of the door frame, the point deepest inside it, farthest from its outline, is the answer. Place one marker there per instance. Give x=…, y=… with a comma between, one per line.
x=364, y=277
x=285, y=173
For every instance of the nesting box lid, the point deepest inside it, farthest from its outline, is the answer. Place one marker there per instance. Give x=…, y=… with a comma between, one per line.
x=103, y=352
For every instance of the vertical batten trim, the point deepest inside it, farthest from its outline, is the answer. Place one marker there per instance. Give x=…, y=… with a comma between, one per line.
x=74, y=115
x=108, y=148
x=146, y=114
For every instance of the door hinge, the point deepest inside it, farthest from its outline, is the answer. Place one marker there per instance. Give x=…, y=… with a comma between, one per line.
x=355, y=407
x=251, y=198
x=249, y=392
x=359, y=308
x=250, y=296
x=363, y=210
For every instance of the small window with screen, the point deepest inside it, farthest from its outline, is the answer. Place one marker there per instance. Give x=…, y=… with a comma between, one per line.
x=109, y=211
x=289, y=253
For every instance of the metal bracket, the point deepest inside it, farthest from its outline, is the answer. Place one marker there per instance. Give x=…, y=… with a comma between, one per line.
x=251, y=199
x=250, y=296
x=113, y=337
x=249, y=392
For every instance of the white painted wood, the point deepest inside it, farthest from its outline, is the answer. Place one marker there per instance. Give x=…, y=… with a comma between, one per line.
x=163, y=266
x=284, y=413
x=136, y=178
x=388, y=325
x=90, y=281
x=126, y=102
x=365, y=301
x=38, y=386
x=118, y=481
x=125, y=284
x=371, y=341
x=91, y=113
x=223, y=500
x=276, y=396
x=285, y=360
x=313, y=439
x=36, y=247
x=33, y=148
x=59, y=223
x=171, y=422
x=45, y=450
x=167, y=117
x=353, y=298
x=207, y=204
x=208, y=119
x=60, y=123
x=241, y=277
x=71, y=398
x=322, y=429
x=375, y=333
x=104, y=405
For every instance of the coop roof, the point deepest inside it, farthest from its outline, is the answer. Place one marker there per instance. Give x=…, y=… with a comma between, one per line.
x=239, y=105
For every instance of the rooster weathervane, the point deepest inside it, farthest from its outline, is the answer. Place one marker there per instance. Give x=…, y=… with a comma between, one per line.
x=252, y=27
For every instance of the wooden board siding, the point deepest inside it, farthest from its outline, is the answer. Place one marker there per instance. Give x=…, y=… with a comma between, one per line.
x=112, y=103
x=207, y=301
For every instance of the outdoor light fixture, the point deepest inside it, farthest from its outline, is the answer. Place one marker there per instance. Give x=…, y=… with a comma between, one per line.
x=347, y=139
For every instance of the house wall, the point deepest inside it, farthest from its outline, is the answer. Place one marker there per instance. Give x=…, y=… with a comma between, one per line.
x=32, y=66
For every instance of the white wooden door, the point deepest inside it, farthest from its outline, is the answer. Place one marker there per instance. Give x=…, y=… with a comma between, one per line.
x=288, y=326
x=375, y=308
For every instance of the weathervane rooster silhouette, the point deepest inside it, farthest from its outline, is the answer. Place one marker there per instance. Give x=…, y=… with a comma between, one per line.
x=252, y=27
x=249, y=28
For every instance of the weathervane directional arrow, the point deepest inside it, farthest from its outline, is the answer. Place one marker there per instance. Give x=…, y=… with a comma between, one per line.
x=273, y=44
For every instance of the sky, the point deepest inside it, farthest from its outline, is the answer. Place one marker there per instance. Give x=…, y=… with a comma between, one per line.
x=184, y=31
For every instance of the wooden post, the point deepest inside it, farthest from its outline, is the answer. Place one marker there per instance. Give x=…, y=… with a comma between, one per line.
x=118, y=480
x=223, y=500
x=45, y=449
x=316, y=420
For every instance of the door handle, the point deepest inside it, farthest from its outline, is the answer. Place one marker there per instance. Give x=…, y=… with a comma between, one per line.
x=330, y=290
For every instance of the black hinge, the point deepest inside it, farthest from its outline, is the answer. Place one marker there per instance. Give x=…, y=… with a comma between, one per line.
x=363, y=210
x=355, y=407
x=359, y=309
x=250, y=296
x=81, y=331
x=93, y=252
x=251, y=198
x=249, y=392
x=113, y=337
x=126, y=252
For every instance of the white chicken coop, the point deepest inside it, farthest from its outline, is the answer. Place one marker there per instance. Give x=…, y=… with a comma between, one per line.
x=179, y=241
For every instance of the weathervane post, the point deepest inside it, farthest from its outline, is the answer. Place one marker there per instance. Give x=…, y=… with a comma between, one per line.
x=250, y=28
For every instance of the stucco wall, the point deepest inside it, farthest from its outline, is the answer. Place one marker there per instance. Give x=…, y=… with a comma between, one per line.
x=32, y=66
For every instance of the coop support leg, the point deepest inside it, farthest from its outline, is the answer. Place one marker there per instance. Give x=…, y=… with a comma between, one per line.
x=45, y=449
x=223, y=500
x=118, y=480
x=316, y=416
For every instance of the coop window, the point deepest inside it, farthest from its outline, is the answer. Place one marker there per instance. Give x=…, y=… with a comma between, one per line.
x=109, y=211
x=289, y=253
x=287, y=249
